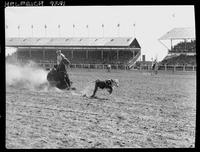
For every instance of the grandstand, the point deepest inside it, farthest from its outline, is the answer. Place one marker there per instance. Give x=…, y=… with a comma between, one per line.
x=184, y=51
x=116, y=50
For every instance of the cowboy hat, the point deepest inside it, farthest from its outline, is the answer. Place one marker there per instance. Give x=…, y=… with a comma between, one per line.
x=58, y=51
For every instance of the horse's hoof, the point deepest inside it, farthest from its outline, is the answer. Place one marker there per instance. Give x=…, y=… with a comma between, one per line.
x=73, y=88
x=92, y=97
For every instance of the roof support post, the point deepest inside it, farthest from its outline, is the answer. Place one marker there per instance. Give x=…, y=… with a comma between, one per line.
x=72, y=54
x=171, y=45
x=29, y=52
x=43, y=55
x=185, y=44
x=163, y=44
x=117, y=54
x=17, y=53
x=86, y=54
x=133, y=53
x=102, y=54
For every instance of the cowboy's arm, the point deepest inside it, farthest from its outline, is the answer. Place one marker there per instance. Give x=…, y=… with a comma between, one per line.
x=63, y=57
x=68, y=61
x=57, y=60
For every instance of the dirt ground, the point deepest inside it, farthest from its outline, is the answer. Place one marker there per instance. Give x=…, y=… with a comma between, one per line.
x=145, y=111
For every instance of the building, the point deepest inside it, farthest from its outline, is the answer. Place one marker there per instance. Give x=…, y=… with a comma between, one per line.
x=182, y=41
x=182, y=48
x=116, y=50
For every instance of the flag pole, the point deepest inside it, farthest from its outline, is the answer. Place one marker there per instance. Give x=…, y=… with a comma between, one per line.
x=45, y=27
x=6, y=34
x=87, y=29
x=32, y=30
x=18, y=30
x=118, y=25
x=103, y=29
x=73, y=29
x=59, y=30
x=134, y=30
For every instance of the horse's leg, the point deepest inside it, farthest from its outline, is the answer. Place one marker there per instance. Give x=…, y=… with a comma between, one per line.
x=64, y=80
x=67, y=80
x=62, y=83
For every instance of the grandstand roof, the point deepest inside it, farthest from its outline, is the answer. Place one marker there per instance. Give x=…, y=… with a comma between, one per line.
x=115, y=41
x=179, y=33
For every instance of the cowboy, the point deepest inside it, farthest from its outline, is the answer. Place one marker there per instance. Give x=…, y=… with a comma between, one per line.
x=154, y=66
x=61, y=58
x=108, y=67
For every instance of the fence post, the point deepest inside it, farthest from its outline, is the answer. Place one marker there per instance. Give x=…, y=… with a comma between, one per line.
x=184, y=68
x=193, y=67
x=174, y=68
x=165, y=67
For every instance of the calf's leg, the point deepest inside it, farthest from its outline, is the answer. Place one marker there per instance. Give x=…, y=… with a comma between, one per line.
x=95, y=90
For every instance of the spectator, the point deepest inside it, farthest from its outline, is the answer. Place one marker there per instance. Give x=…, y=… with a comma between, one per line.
x=109, y=67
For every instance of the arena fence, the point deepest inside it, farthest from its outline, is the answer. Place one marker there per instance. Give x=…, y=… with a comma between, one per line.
x=170, y=67
x=49, y=64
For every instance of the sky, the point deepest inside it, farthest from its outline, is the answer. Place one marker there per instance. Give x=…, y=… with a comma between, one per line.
x=151, y=22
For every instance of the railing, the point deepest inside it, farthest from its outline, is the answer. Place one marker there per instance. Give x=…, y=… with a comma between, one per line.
x=125, y=67
x=86, y=66
x=132, y=62
x=170, y=67
x=49, y=64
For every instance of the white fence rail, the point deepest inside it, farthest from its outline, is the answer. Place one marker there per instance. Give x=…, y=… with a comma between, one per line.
x=49, y=64
x=170, y=67
x=125, y=67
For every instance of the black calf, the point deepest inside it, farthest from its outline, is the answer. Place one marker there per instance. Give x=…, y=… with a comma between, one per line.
x=107, y=84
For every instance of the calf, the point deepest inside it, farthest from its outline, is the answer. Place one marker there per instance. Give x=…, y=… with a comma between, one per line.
x=106, y=84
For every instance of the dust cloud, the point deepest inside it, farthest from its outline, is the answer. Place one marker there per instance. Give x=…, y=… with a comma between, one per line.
x=88, y=90
x=27, y=75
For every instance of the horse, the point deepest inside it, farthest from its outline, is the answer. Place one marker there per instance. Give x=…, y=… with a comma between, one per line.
x=58, y=76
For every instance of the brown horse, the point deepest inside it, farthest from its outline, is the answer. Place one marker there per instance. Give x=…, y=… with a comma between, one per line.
x=58, y=77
